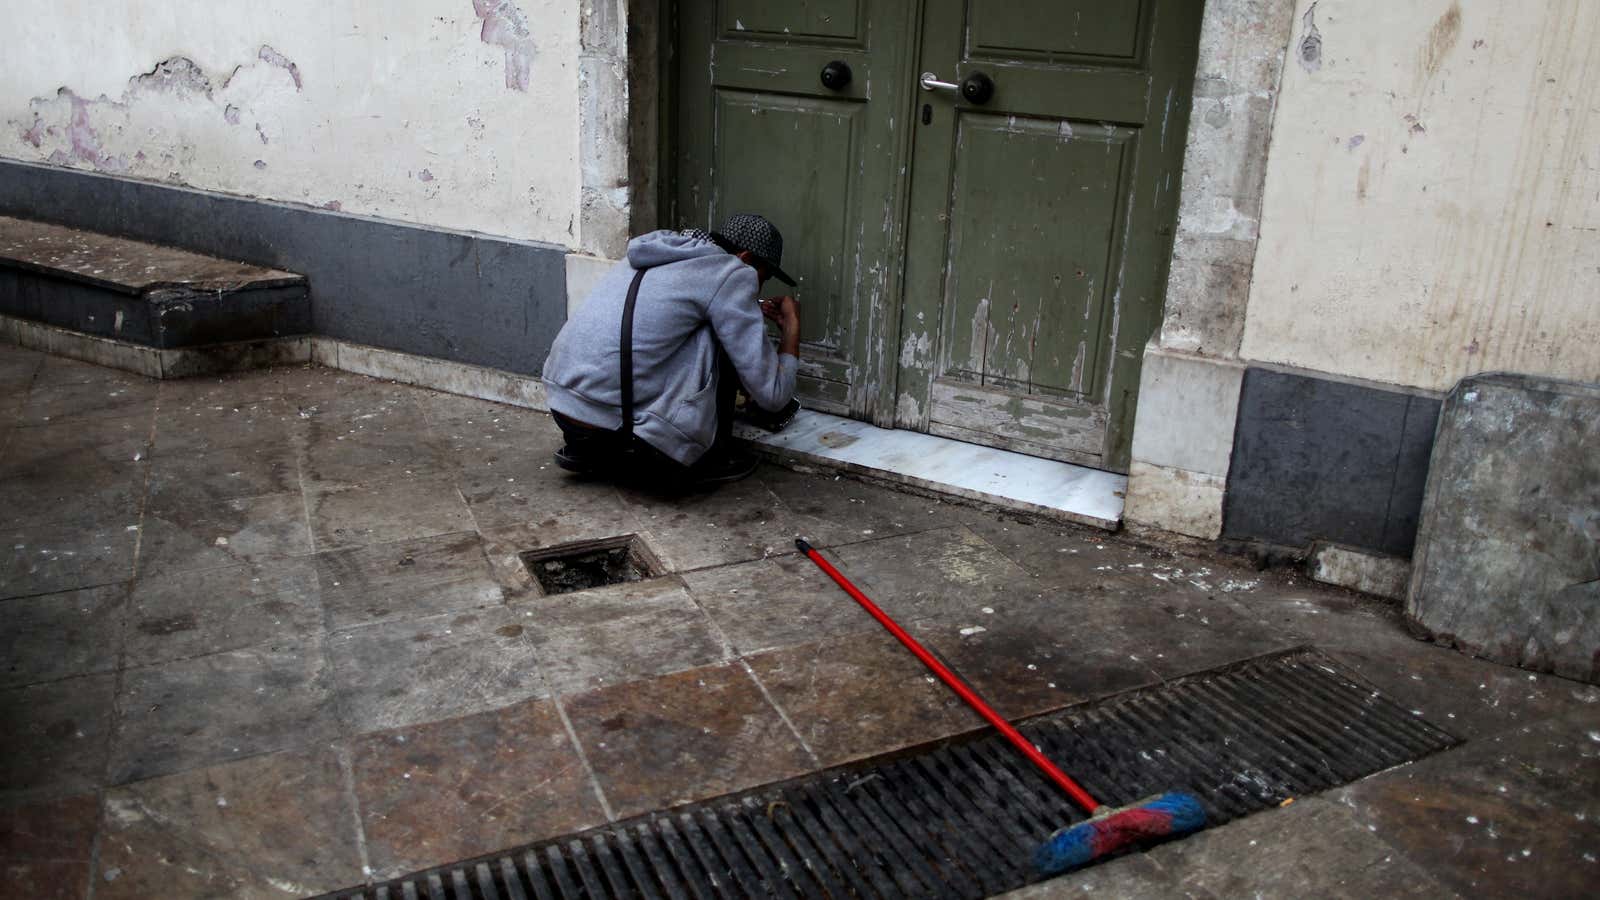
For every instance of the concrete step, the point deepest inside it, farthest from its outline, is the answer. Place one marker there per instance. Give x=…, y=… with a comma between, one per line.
x=142, y=298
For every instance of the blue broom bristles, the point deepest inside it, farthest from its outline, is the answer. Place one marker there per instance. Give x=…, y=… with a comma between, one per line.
x=1157, y=817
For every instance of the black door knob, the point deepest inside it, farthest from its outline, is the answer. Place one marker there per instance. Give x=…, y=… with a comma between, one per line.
x=836, y=75
x=977, y=88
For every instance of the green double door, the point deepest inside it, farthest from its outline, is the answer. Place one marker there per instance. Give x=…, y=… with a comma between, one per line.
x=977, y=197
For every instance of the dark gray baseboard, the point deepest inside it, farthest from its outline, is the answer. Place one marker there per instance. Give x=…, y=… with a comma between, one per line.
x=462, y=297
x=1315, y=459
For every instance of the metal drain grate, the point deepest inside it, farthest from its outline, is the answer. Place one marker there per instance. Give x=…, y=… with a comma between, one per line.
x=962, y=820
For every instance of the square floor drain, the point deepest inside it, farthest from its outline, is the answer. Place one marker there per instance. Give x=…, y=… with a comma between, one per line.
x=590, y=564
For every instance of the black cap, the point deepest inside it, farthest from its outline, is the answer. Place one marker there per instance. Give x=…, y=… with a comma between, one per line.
x=747, y=232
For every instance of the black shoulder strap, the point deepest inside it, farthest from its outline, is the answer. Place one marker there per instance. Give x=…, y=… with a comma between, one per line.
x=627, y=354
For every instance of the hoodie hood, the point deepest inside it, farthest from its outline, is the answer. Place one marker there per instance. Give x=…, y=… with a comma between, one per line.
x=661, y=247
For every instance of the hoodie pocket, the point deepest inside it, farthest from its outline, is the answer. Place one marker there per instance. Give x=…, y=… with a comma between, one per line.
x=696, y=415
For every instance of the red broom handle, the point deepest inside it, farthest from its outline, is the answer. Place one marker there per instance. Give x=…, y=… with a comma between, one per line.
x=954, y=682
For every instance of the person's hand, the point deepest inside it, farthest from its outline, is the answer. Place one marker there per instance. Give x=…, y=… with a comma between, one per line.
x=788, y=313
x=785, y=313
x=781, y=310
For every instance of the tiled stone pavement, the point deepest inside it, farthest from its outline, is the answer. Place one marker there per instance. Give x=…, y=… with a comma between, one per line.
x=268, y=636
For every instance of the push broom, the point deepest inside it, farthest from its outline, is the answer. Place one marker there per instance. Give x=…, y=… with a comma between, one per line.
x=1107, y=830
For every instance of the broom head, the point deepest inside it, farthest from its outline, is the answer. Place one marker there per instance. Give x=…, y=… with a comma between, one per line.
x=1107, y=832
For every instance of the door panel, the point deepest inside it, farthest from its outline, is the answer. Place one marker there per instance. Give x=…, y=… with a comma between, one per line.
x=1016, y=316
x=799, y=19
x=811, y=181
x=759, y=132
x=1041, y=220
x=1054, y=31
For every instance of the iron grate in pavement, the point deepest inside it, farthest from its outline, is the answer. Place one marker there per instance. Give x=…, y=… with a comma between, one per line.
x=962, y=819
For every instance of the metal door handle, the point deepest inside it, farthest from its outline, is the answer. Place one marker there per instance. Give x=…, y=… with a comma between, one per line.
x=975, y=88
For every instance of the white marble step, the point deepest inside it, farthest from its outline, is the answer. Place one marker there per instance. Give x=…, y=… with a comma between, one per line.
x=999, y=477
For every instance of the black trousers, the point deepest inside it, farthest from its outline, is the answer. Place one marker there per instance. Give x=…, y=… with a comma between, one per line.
x=607, y=448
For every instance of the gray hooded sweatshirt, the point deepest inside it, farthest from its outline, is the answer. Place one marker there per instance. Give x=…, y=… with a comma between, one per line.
x=693, y=290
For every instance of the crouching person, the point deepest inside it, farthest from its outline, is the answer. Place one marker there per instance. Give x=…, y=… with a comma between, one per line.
x=642, y=379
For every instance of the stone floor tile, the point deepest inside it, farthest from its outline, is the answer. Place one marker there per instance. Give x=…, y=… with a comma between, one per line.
x=76, y=488
x=1130, y=877
x=860, y=695
x=1513, y=815
x=228, y=473
x=444, y=791
x=390, y=442
x=619, y=633
x=485, y=436
x=1176, y=636
x=948, y=571
x=736, y=522
x=383, y=513
x=1311, y=849
x=54, y=636
x=777, y=602
x=187, y=614
x=683, y=737
x=1327, y=617
x=406, y=579
x=403, y=672
x=39, y=558
x=1172, y=632
x=1074, y=558
x=18, y=367
x=1467, y=697
x=1067, y=554
x=133, y=398
x=55, y=370
x=202, y=427
x=545, y=502
x=98, y=440
x=274, y=383
x=1024, y=667
x=46, y=846
x=329, y=392
x=454, y=412
x=55, y=736
x=832, y=510
x=212, y=535
x=199, y=712
x=277, y=825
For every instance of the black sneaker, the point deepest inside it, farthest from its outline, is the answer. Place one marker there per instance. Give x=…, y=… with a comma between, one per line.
x=725, y=469
x=574, y=462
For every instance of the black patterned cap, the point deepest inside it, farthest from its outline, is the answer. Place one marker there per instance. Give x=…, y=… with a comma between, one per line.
x=750, y=232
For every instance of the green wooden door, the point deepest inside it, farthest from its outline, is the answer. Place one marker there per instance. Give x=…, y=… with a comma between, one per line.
x=759, y=131
x=985, y=271
x=1041, y=220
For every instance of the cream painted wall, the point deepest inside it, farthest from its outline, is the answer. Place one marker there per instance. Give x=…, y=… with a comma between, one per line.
x=452, y=113
x=1432, y=202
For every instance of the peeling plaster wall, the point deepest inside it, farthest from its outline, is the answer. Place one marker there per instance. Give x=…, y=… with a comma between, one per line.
x=458, y=114
x=1432, y=203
